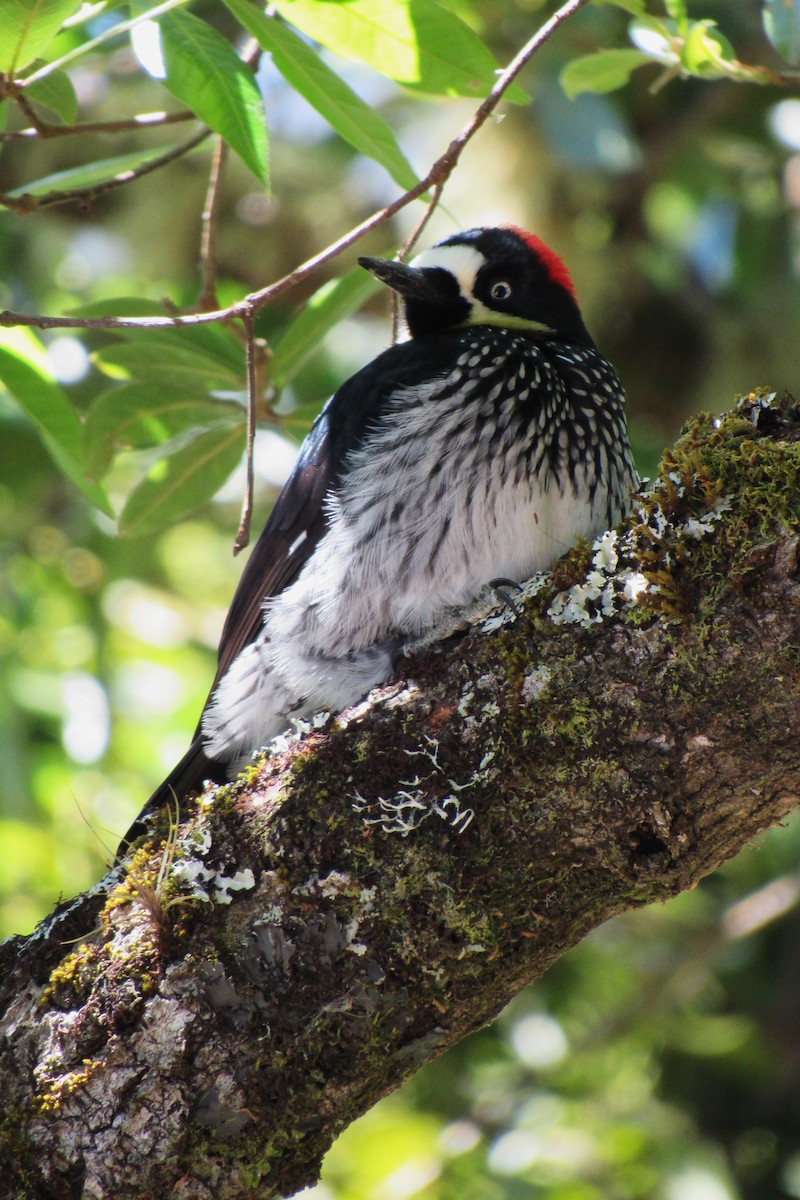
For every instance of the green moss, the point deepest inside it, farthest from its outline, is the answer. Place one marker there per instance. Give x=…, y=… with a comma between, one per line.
x=20, y=1153
x=739, y=472
x=51, y=1100
x=575, y=723
x=572, y=567
x=73, y=978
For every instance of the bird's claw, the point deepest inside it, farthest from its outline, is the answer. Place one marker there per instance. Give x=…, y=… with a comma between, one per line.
x=499, y=587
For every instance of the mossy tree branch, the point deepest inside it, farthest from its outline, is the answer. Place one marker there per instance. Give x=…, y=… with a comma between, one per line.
x=296, y=959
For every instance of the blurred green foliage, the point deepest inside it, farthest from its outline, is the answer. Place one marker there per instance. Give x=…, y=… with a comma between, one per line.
x=659, y=1059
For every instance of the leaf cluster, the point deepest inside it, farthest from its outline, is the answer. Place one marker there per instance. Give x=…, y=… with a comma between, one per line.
x=681, y=46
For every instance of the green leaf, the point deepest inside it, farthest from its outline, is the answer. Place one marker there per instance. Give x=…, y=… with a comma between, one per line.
x=705, y=50
x=421, y=45
x=355, y=121
x=90, y=173
x=166, y=361
x=657, y=39
x=782, y=26
x=604, y=71
x=28, y=27
x=56, y=93
x=25, y=373
x=207, y=75
x=179, y=482
x=216, y=344
x=334, y=301
x=136, y=417
x=677, y=10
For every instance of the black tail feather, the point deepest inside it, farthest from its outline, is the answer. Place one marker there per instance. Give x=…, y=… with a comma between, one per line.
x=187, y=777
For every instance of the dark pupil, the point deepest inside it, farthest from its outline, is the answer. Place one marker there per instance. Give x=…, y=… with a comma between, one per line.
x=501, y=291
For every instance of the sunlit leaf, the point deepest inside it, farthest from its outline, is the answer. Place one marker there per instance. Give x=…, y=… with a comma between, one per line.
x=604, y=71
x=26, y=375
x=57, y=93
x=90, y=173
x=705, y=51
x=179, y=482
x=168, y=363
x=422, y=46
x=137, y=417
x=355, y=121
x=28, y=27
x=206, y=74
x=782, y=26
x=333, y=302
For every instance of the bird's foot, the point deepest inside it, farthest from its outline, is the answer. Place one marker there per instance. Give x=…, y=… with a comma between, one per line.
x=500, y=588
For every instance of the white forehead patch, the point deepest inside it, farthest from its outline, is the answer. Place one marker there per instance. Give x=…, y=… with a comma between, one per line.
x=462, y=261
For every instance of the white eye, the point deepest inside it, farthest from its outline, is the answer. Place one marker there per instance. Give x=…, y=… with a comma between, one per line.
x=500, y=290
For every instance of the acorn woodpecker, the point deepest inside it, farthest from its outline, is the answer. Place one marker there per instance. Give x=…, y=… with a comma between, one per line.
x=479, y=448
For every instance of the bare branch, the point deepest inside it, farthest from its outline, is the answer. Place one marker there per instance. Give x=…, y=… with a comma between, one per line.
x=406, y=248
x=243, y=532
x=45, y=129
x=27, y=109
x=208, y=237
x=416, y=233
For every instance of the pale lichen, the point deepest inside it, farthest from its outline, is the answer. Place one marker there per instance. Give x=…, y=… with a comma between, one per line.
x=200, y=881
x=416, y=800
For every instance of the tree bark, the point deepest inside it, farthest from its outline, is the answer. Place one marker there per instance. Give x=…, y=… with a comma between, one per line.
x=383, y=885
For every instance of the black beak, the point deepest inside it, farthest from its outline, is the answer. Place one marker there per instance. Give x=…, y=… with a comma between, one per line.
x=409, y=282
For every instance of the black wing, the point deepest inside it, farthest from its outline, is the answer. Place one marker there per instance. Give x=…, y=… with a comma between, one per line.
x=276, y=560
x=300, y=517
x=296, y=524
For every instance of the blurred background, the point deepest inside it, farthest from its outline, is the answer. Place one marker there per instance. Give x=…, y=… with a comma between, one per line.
x=662, y=1057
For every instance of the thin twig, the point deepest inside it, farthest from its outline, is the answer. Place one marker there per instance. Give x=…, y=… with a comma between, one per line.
x=26, y=203
x=412, y=239
x=208, y=233
x=438, y=174
x=243, y=532
x=27, y=109
x=45, y=129
x=406, y=248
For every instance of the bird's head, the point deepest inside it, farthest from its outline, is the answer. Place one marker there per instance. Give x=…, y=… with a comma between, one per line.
x=499, y=276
